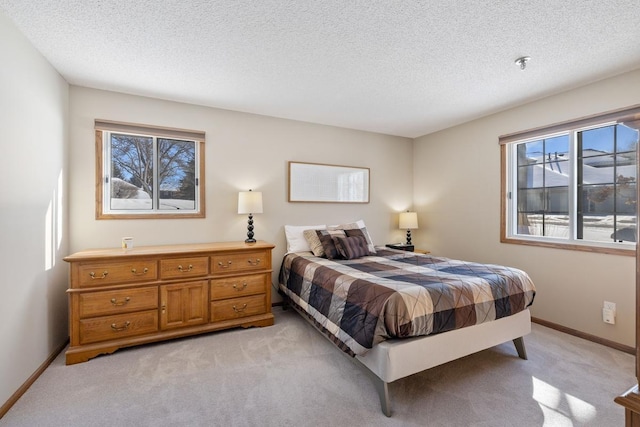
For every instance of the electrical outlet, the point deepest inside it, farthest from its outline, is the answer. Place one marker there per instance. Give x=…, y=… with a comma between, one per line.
x=608, y=316
x=609, y=313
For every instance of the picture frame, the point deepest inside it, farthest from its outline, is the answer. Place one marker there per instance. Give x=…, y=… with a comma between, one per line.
x=325, y=183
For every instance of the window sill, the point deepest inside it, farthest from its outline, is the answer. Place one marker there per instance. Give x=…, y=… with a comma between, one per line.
x=151, y=216
x=627, y=250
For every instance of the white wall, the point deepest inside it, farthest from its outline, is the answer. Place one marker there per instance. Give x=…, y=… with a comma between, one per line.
x=33, y=218
x=243, y=151
x=457, y=193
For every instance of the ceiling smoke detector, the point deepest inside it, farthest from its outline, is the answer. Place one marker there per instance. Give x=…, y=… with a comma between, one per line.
x=522, y=62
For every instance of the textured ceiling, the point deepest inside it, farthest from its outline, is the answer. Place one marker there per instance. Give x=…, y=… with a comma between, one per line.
x=403, y=68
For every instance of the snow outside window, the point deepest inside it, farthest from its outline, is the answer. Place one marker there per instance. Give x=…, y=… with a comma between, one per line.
x=147, y=175
x=573, y=188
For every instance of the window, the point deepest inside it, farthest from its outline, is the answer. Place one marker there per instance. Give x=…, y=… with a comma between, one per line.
x=573, y=185
x=148, y=172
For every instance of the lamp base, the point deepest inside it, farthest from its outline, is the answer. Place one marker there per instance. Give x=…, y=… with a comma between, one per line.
x=409, y=238
x=250, y=238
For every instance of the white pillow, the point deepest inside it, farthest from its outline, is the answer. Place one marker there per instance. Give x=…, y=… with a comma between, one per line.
x=295, y=237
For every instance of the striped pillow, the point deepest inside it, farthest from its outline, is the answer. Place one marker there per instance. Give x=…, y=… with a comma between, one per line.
x=352, y=247
x=328, y=245
x=355, y=229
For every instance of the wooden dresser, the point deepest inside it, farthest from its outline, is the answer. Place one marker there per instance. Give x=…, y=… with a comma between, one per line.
x=120, y=298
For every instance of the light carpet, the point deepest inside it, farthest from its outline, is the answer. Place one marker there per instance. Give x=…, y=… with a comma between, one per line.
x=289, y=375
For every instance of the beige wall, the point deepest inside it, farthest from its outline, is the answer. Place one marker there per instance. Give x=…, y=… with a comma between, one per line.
x=243, y=151
x=457, y=193
x=453, y=182
x=33, y=218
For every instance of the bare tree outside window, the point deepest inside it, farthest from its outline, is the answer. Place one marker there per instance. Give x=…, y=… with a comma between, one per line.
x=131, y=172
x=176, y=174
x=149, y=175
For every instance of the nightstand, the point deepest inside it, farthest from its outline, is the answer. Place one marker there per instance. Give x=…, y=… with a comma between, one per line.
x=400, y=246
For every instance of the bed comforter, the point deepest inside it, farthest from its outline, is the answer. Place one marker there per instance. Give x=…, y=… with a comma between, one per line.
x=396, y=294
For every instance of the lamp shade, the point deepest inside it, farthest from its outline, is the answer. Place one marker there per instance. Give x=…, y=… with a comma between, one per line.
x=249, y=202
x=408, y=220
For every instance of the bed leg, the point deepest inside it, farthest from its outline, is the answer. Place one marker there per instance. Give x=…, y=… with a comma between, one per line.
x=285, y=300
x=381, y=386
x=519, y=343
x=383, y=391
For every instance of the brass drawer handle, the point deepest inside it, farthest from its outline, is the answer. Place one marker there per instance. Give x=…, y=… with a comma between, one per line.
x=239, y=310
x=256, y=262
x=237, y=288
x=115, y=302
x=224, y=266
x=135, y=272
x=93, y=275
x=121, y=328
x=187, y=270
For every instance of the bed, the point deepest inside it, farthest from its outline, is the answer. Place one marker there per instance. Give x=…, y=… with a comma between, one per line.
x=398, y=313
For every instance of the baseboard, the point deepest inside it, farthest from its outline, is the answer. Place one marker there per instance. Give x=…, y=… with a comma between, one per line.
x=24, y=387
x=584, y=335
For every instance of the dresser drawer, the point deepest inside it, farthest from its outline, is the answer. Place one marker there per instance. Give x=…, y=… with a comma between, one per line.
x=238, y=307
x=114, y=272
x=102, y=303
x=119, y=326
x=244, y=261
x=233, y=287
x=178, y=268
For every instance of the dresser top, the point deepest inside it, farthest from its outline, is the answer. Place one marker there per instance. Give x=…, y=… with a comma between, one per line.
x=188, y=249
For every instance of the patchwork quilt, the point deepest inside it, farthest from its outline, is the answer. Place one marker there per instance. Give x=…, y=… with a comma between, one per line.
x=396, y=294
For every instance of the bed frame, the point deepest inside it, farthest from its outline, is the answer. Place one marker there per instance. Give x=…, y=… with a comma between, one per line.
x=391, y=360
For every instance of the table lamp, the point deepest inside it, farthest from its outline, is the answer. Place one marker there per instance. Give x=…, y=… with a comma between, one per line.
x=408, y=221
x=250, y=202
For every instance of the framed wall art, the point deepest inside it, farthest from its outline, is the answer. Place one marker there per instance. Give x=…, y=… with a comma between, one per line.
x=322, y=183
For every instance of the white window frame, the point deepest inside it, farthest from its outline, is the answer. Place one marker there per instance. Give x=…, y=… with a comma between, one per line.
x=508, y=220
x=104, y=129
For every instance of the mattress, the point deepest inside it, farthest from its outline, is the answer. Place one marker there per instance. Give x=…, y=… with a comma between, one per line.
x=396, y=294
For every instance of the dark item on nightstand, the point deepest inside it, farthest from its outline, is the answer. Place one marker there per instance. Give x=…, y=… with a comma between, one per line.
x=400, y=246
